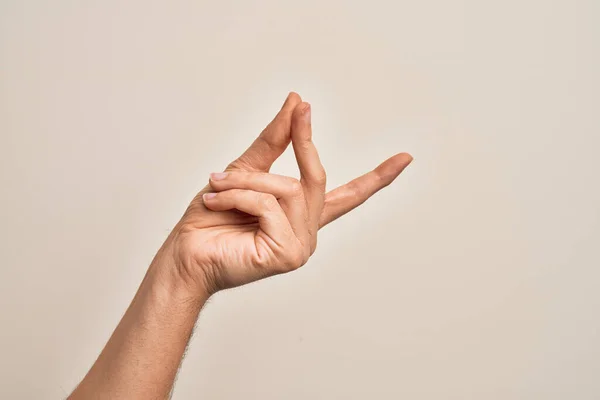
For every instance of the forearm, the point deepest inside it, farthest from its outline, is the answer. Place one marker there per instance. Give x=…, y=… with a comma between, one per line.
x=142, y=357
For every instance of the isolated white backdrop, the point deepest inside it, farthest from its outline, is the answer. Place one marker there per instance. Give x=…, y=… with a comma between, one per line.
x=474, y=276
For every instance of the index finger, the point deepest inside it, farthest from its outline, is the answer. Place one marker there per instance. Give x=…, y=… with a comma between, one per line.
x=272, y=141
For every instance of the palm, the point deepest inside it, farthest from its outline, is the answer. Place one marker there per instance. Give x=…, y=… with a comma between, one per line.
x=230, y=246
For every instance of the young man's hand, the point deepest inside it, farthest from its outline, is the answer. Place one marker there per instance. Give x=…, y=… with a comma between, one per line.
x=245, y=225
x=248, y=224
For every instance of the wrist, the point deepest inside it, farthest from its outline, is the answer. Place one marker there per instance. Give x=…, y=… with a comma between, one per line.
x=171, y=274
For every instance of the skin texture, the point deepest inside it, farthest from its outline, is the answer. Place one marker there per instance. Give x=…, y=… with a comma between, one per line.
x=245, y=225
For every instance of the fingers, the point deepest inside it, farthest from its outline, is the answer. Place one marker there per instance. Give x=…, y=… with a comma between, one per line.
x=349, y=196
x=271, y=143
x=271, y=218
x=313, y=177
x=277, y=185
x=287, y=189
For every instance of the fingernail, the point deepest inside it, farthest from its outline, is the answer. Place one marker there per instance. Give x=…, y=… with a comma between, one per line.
x=217, y=176
x=306, y=112
x=208, y=196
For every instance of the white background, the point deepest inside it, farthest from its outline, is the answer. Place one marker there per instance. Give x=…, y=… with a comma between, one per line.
x=474, y=276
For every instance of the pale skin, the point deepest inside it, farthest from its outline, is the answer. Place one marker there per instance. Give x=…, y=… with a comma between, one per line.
x=246, y=225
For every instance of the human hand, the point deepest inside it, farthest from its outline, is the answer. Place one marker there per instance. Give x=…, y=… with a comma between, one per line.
x=245, y=225
x=248, y=224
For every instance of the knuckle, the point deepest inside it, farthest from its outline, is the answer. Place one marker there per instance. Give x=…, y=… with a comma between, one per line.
x=281, y=123
x=305, y=143
x=320, y=178
x=267, y=201
x=295, y=187
x=295, y=260
x=238, y=164
x=185, y=228
x=265, y=137
x=356, y=189
x=237, y=178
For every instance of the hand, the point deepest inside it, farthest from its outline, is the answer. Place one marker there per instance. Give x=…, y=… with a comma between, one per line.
x=248, y=224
